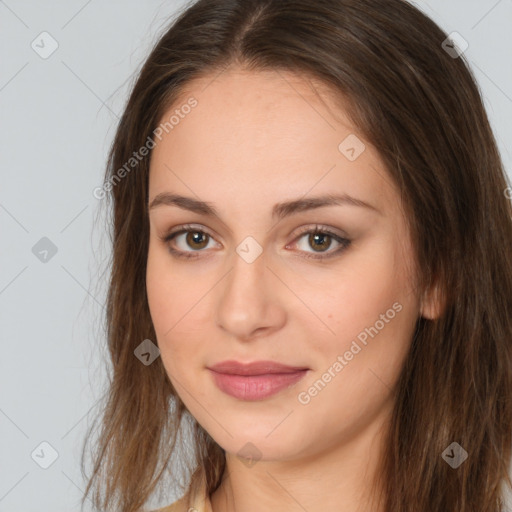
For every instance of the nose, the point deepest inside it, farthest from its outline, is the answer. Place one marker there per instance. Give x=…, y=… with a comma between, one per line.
x=250, y=304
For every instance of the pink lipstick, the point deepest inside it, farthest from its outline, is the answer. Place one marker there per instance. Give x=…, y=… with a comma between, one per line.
x=255, y=381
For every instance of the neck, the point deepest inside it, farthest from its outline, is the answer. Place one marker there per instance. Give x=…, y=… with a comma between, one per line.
x=338, y=478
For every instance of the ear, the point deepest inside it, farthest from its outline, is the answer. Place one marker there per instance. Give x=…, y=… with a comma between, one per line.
x=433, y=303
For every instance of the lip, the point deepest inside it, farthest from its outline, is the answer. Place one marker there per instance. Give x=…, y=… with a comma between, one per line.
x=255, y=381
x=254, y=368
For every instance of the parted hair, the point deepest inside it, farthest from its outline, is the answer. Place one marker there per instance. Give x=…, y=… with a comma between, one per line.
x=421, y=107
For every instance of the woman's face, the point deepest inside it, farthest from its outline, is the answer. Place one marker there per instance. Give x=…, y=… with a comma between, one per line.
x=250, y=281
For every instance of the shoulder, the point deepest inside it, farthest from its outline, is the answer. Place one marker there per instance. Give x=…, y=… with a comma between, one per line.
x=196, y=499
x=178, y=506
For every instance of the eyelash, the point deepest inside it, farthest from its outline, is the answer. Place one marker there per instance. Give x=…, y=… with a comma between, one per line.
x=186, y=228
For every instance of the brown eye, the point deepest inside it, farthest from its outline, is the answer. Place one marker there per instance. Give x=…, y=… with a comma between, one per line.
x=314, y=242
x=188, y=242
x=320, y=241
x=196, y=239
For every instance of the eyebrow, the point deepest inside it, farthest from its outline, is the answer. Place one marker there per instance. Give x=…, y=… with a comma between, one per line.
x=279, y=211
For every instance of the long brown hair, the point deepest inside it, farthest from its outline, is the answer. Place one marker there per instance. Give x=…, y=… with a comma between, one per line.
x=422, y=110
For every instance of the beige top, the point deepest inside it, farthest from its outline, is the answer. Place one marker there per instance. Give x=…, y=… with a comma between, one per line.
x=196, y=498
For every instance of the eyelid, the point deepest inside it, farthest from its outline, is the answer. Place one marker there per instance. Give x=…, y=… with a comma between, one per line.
x=339, y=236
x=186, y=227
x=321, y=228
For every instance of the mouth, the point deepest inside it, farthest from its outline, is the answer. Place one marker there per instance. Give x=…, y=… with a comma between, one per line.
x=255, y=381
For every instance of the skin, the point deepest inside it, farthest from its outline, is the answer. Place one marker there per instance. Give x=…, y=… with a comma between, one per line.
x=256, y=139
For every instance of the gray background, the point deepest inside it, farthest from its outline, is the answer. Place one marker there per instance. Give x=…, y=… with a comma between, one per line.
x=58, y=116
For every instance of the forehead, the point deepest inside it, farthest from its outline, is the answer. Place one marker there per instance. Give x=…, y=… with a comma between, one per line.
x=276, y=132
x=273, y=102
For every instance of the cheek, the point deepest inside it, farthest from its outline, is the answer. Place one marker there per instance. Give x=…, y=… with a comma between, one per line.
x=181, y=310
x=353, y=297
x=170, y=298
x=162, y=296
x=371, y=312
x=171, y=293
x=357, y=367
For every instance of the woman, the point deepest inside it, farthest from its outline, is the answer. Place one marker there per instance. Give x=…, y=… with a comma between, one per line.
x=311, y=268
